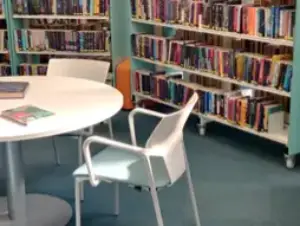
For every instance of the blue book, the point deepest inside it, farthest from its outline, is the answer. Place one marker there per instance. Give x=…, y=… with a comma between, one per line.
x=13, y=89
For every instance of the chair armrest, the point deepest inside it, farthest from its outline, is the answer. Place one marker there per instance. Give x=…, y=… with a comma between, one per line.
x=140, y=111
x=102, y=140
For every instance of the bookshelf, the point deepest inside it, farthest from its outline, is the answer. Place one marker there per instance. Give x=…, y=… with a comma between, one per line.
x=4, y=62
x=54, y=29
x=285, y=131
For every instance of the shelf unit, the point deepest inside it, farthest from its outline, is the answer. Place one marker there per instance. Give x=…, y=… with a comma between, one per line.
x=3, y=51
x=287, y=137
x=18, y=21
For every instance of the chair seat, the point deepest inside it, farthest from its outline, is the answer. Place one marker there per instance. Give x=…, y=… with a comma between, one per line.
x=119, y=165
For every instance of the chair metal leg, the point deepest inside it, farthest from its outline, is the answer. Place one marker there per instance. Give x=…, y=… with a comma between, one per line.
x=80, y=162
x=56, y=154
x=77, y=202
x=192, y=193
x=111, y=134
x=21, y=152
x=117, y=199
x=156, y=207
x=154, y=194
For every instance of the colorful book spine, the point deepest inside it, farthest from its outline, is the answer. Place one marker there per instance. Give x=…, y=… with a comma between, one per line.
x=3, y=40
x=32, y=69
x=275, y=71
x=62, y=7
x=236, y=107
x=5, y=69
x=150, y=46
x=1, y=7
x=259, y=19
x=62, y=40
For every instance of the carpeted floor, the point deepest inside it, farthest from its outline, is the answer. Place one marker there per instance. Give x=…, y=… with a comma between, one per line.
x=240, y=180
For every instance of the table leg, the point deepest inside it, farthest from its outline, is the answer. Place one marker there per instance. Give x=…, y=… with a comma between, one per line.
x=16, y=194
x=28, y=209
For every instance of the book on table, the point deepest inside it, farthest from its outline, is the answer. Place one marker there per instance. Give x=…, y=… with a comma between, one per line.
x=25, y=114
x=10, y=90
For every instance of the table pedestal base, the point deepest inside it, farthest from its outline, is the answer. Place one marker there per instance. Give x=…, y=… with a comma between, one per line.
x=42, y=210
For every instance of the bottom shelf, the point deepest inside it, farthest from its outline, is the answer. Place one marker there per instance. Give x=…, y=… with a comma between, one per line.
x=281, y=137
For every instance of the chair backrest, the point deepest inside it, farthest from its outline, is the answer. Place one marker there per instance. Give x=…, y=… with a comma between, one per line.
x=79, y=68
x=166, y=142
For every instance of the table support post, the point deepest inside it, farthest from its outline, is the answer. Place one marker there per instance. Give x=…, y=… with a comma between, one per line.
x=16, y=194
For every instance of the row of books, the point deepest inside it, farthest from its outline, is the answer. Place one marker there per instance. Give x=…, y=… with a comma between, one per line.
x=273, y=71
x=240, y=107
x=150, y=46
x=1, y=7
x=5, y=69
x=62, y=40
x=3, y=40
x=276, y=21
x=32, y=69
x=62, y=7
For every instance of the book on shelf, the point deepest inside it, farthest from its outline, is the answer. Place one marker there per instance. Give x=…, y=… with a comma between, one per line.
x=62, y=7
x=274, y=70
x=239, y=107
x=62, y=40
x=259, y=18
x=23, y=115
x=5, y=69
x=3, y=40
x=32, y=69
x=9, y=90
x=1, y=7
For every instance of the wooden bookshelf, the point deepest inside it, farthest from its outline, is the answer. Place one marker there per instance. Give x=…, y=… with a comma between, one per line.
x=288, y=135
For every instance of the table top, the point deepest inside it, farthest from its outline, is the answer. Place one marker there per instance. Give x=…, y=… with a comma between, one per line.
x=76, y=103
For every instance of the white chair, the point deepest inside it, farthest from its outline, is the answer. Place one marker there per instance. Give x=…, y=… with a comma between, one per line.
x=157, y=165
x=79, y=68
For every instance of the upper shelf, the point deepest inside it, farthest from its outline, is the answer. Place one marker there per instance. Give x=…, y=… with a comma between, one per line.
x=272, y=41
x=64, y=17
x=66, y=53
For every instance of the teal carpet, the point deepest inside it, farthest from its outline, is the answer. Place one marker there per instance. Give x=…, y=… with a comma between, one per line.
x=240, y=180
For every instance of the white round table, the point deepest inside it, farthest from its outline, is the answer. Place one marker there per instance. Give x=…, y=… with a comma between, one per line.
x=77, y=104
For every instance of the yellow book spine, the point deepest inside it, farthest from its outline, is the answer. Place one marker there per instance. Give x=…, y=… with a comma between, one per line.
x=243, y=112
x=142, y=45
x=221, y=64
x=240, y=67
x=137, y=6
x=95, y=7
x=265, y=119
